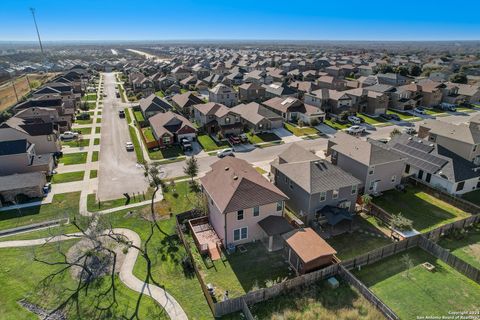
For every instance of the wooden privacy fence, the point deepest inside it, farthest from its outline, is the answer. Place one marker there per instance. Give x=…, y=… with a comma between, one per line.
x=380, y=213
x=453, y=261
x=367, y=293
x=447, y=197
x=237, y=304
x=458, y=225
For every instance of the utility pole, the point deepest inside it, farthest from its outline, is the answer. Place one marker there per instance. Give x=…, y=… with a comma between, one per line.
x=36, y=27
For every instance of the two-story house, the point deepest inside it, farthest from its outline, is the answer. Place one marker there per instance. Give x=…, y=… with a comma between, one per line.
x=152, y=105
x=223, y=94
x=292, y=109
x=314, y=186
x=216, y=118
x=19, y=156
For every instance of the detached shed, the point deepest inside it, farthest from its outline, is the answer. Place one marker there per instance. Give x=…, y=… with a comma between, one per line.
x=306, y=251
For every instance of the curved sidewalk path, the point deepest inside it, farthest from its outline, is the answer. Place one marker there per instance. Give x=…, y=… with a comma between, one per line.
x=171, y=306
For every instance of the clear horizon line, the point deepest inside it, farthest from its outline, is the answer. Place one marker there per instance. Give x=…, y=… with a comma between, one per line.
x=246, y=40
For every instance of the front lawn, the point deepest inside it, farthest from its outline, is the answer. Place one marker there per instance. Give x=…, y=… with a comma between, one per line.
x=473, y=197
x=89, y=96
x=239, y=272
x=166, y=153
x=68, y=177
x=73, y=158
x=160, y=94
x=82, y=122
x=336, y=125
x=63, y=205
x=317, y=301
x=404, y=115
x=84, y=130
x=208, y=144
x=148, y=134
x=372, y=120
x=426, y=211
x=262, y=137
x=466, y=247
x=78, y=143
x=138, y=116
x=300, y=131
x=419, y=292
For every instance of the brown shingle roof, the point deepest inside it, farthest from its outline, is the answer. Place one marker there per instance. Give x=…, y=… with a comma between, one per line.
x=308, y=245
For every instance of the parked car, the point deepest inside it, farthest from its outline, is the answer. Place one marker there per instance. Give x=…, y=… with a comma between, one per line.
x=83, y=116
x=356, y=130
x=121, y=114
x=117, y=94
x=186, y=145
x=448, y=107
x=410, y=131
x=393, y=116
x=419, y=110
x=225, y=152
x=234, y=140
x=68, y=135
x=354, y=120
x=47, y=188
x=244, y=138
x=129, y=146
x=386, y=116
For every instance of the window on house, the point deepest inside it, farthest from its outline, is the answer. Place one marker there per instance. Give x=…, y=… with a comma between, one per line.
x=354, y=189
x=460, y=186
x=280, y=205
x=240, y=234
x=323, y=196
x=371, y=171
x=227, y=120
x=394, y=178
x=407, y=168
x=372, y=183
x=256, y=211
x=240, y=215
x=290, y=184
x=335, y=194
x=166, y=139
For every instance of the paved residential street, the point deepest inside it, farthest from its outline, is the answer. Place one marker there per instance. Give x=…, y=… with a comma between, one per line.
x=119, y=172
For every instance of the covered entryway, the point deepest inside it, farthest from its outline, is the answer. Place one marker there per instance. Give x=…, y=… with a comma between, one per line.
x=274, y=227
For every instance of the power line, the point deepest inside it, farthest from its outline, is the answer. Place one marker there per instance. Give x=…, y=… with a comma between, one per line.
x=36, y=27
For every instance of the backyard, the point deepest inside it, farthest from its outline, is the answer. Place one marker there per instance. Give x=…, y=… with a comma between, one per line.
x=415, y=291
x=426, y=211
x=473, y=197
x=240, y=272
x=73, y=158
x=465, y=246
x=317, y=301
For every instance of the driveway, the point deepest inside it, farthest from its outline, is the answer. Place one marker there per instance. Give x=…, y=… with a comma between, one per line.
x=118, y=169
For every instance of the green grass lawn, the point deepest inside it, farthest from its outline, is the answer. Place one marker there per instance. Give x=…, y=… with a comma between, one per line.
x=94, y=204
x=336, y=125
x=372, y=120
x=74, y=158
x=350, y=245
x=183, y=90
x=138, y=116
x=68, y=177
x=136, y=144
x=160, y=94
x=127, y=115
x=96, y=142
x=93, y=174
x=465, y=110
x=95, y=156
x=79, y=143
x=237, y=274
x=99, y=120
x=89, y=96
x=466, y=248
x=260, y=170
x=420, y=292
x=473, y=197
x=317, y=301
x=82, y=122
x=166, y=153
x=63, y=205
x=97, y=129
x=208, y=144
x=403, y=115
x=21, y=277
x=426, y=211
x=91, y=105
x=300, y=131
x=262, y=137
x=148, y=134
x=84, y=130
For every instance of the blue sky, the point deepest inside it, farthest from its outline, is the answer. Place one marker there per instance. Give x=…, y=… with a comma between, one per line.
x=241, y=19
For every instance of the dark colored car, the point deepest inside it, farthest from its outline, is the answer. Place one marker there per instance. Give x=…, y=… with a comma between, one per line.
x=121, y=114
x=83, y=116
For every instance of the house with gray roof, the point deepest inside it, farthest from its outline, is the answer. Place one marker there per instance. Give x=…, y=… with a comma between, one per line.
x=377, y=168
x=256, y=117
x=152, y=105
x=314, y=186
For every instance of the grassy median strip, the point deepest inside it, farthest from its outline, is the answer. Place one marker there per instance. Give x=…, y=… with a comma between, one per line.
x=136, y=144
x=74, y=158
x=96, y=141
x=68, y=177
x=93, y=174
x=127, y=115
x=97, y=129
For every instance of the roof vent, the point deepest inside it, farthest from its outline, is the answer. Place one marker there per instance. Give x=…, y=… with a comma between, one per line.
x=227, y=168
x=235, y=177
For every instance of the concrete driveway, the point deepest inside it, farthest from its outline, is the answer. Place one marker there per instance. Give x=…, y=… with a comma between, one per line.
x=119, y=172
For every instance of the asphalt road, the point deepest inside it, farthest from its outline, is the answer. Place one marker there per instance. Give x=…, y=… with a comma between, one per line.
x=268, y=154
x=118, y=170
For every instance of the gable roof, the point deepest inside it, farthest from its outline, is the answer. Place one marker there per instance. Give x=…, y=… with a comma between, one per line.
x=168, y=122
x=186, y=99
x=234, y=184
x=36, y=128
x=308, y=245
x=154, y=102
x=13, y=147
x=254, y=112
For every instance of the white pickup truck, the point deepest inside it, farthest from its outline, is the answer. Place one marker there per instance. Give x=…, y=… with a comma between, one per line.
x=356, y=130
x=68, y=135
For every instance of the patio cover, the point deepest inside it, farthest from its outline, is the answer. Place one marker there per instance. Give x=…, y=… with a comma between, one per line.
x=275, y=225
x=336, y=215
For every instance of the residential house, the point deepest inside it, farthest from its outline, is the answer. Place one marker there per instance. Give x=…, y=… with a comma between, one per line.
x=152, y=105
x=169, y=128
x=238, y=198
x=378, y=169
x=215, y=118
x=257, y=117
x=249, y=92
x=224, y=95
x=392, y=79
x=185, y=101
x=28, y=184
x=293, y=109
x=279, y=90
x=20, y=156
